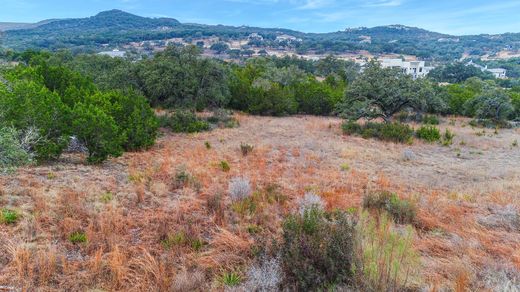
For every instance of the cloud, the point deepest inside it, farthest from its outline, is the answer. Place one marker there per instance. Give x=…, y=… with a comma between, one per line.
x=384, y=3
x=316, y=4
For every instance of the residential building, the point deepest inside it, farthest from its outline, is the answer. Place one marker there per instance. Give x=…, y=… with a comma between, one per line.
x=114, y=53
x=499, y=73
x=417, y=69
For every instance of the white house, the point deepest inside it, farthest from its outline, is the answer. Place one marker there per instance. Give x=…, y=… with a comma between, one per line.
x=114, y=53
x=415, y=68
x=499, y=73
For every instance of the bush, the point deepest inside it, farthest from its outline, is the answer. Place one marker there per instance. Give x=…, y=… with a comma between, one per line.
x=13, y=152
x=394, y=132
x=223, y=118
x=317, y=250
x=135, y=118
x=385, y=258
x=402, y=211
x=429, y=133
x=98, y=132
x=184, y=121
x=430, y=120
x=447, y=137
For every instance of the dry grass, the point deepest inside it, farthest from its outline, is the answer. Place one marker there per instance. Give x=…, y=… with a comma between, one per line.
x=129, y=206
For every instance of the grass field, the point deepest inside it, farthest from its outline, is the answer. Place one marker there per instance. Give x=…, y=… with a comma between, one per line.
x=163, y=220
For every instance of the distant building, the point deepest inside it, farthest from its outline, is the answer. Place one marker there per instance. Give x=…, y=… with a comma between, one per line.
x=415, y=68
x=499, y=73
x=114, y=53
x=286, y=37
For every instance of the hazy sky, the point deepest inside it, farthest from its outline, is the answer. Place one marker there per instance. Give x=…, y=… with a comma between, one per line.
x=447, y=16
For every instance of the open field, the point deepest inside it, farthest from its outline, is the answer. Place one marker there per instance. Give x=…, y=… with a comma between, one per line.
x=468, y=230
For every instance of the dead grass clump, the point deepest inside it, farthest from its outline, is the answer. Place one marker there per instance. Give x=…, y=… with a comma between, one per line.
x=309, y=201
x=226, y=251
x=239, y=189
x=501, y=217
x=188, y=281
x=146, y=272
x=267, y=275
x=501, y=278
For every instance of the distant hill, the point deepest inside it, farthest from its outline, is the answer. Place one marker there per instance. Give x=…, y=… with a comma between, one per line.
x=117, y=27
x=5, y=26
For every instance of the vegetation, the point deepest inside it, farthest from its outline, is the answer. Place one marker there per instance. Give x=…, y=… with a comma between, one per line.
x=402, y=211
x=393, y=132
x=383, y=92
x=429, y=133
x=317, y=250
x=184, y=121
x=9, y=216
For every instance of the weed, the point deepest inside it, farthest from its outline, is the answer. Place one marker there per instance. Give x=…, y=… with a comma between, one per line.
x=9, y=216
x=447, y=138
x=246, y=149
x=106, y=197
x=515, y=143
x=51, y=176
x=345, y=167
x=207, y=144
x=78, y=237
x=310, y=201
x=230, y=279
x=385, y=258
x=178, y=238
x=224, y=165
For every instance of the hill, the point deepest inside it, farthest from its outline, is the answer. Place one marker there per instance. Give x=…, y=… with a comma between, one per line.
x=117, y=27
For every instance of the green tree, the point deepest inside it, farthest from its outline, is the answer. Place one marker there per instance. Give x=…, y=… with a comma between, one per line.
x=381, y=93
x=492, y=104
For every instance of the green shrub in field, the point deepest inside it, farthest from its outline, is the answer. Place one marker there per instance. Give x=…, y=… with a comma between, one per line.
x=97, y=131
x=317, y=250
x=429, y=133
x=13, y=153
x=430, y=120
x=9, y=216
x=78, y=237
x=184, y=121
x=402, y=211
x=394, y=132
x=135, y=118
x=385, y=258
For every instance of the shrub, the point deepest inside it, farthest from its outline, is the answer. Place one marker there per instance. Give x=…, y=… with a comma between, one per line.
x=385, y=259
x=223, y=119
x=9, y=216
x=402, y=211
x=97, y=131
x=13, y=152
x=239, y=189
x=246, y=149
x=428, y=133
x=394, y=132
x=78, y=237
x=184, y=121
x=430, y=120
x=317, y=250
x=135, y=118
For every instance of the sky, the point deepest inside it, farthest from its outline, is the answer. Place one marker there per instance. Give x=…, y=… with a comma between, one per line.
x=458, y=17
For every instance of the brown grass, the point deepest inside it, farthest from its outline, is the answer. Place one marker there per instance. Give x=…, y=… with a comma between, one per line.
x=126, y=232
